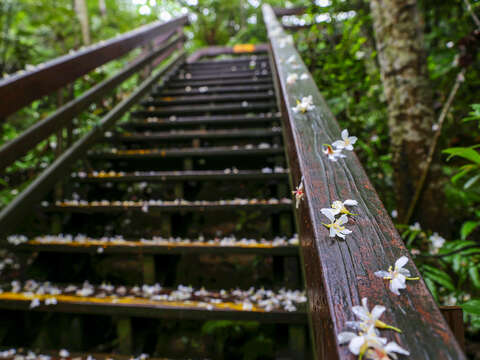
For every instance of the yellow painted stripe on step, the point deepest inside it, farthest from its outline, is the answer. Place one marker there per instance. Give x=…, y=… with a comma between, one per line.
x=243, y=48
x=140, y=244
x=127, y=301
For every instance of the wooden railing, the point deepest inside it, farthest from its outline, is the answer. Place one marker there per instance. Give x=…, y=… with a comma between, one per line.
x=339, y=273
x=165, y=41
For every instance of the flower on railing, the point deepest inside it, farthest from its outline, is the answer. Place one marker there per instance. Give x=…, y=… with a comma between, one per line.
x=397, y=276
x=304, y=76
x=285, y=40
x=386, y=352
x=346, y=142
x=339, y=207
x=336, y=225
x=369, y=319
x=292, y=78
x=332, y=154
x=305, y=105
x=299, y=194
x=292, y=60
x=359, y=343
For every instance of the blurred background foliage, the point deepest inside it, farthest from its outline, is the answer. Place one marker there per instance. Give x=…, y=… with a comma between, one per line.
x=339, y=49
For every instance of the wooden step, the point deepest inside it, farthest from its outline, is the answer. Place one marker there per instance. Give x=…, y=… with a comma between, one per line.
x=244, y=59
x=233, y=82
x=157, y=302
x=266, y=174
x=243, y=107
x=152, y=246
x=218, y=98
x=135, y=154
x=63, y=354
x=195, y=134
x=207, y=74
x=179, y=121
x=187, y=77
x=161, y=206
x=203, y=90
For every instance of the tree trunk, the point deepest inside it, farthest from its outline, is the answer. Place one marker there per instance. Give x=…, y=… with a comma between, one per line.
x=103, y=8
x=398, y=29
x=82, y=14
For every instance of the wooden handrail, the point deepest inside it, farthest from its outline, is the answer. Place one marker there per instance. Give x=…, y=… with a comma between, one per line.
x=339, y=273
x=23, y=143
x=289, y=11
x=16, y=210
x=20, y=90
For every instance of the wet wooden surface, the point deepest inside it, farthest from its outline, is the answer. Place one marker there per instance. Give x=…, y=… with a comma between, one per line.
x=339, y=273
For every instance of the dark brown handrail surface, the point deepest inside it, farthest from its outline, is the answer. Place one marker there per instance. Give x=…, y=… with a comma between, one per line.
x=339, y=273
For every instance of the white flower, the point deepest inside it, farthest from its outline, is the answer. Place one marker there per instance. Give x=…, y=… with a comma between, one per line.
x=291, y=59
x=304, y=76
x=346, y=142
x=394, y=214
x=359, y=343
x=51, y=301
x=397, y=276
x=284, y=41
x=386, y=352
x=35, y=302
x=299, y=194
x=437, y=242
x=292, y=78
x=339, y=207
x=369, y=319
x=335, y=226
x=415, y=227
x=332, y=154
x=305, y=105
x=64, y=353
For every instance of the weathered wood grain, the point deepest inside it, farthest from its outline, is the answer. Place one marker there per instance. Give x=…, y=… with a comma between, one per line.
x=339, y=273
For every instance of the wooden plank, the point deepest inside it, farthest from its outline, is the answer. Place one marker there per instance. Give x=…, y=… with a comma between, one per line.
x=141, y=247
x=19, y=207
x=221, y=75
x=200, y=83
x=222, y=50
x=184, y=152
x=166, y=208
x=289, y=11
x=454, y=317
x=41, y=130
x=214, y=90
x=339, y=273
x=186, y=175
x=233, y=61
x=196, y=99
x=200, y=109
x=195, y=134
x=44, y=79
x=153, y=309
x=238, y=119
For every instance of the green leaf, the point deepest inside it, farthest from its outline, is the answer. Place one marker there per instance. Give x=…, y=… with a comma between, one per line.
x=472, y=307
x=467, y=228
x=471, y=181
x=439, y=276
x=468, y=153
x=473, y=272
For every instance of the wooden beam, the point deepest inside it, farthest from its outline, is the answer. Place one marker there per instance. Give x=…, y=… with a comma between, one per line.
x=339, y=273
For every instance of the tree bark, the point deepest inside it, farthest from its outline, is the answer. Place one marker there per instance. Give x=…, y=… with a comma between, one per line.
x=82, y=14
x=398, y=29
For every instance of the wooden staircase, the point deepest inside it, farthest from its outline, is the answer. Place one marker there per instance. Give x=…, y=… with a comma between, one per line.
x=168, y=228
x=167, y=186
